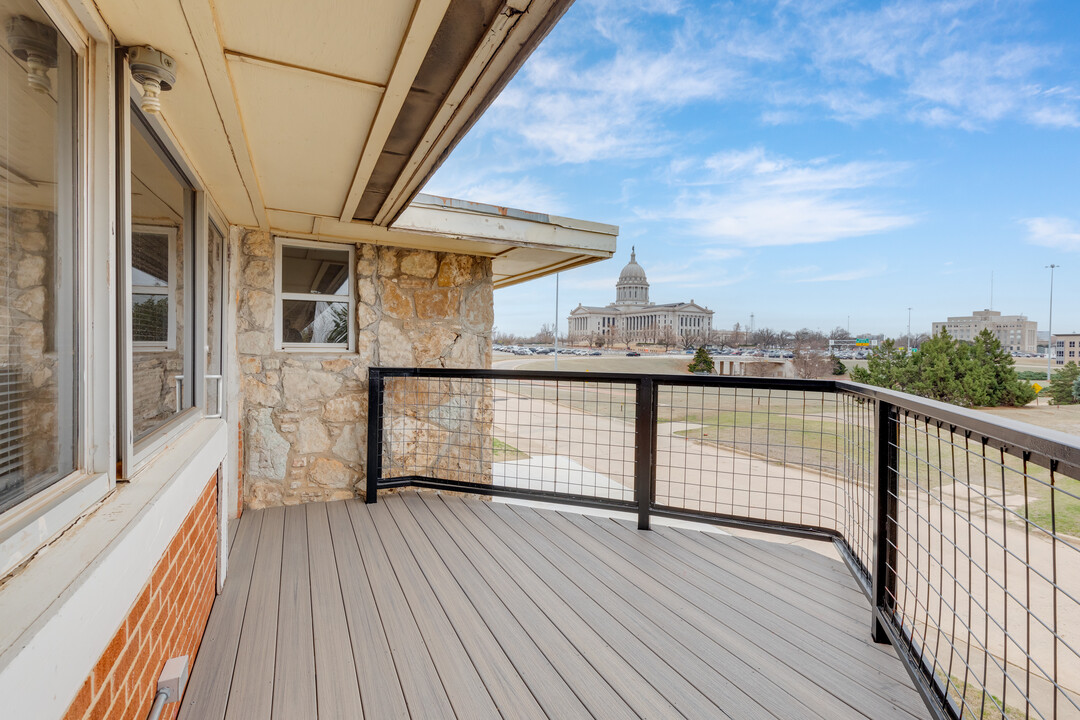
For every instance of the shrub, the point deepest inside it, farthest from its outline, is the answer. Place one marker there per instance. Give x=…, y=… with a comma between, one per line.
x=702, y=362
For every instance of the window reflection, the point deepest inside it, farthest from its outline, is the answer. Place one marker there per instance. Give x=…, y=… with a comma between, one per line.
x=161, y=208
x=37, y=253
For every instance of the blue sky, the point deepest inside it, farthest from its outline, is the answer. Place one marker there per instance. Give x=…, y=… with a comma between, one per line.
x=802, y=160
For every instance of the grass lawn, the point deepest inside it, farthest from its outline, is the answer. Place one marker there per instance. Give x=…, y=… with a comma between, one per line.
x=504, y=452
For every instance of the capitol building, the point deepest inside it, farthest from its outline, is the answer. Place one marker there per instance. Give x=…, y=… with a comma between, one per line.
x=633, y=318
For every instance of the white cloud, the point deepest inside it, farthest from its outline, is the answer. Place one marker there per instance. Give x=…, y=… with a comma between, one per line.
x=1053, y=232
x=753, y=198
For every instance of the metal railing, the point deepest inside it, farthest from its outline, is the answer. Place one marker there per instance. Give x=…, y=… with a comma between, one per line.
x=961, y=527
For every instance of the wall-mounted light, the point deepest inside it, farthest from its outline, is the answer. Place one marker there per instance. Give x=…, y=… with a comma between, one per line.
x=34, y=44
x=155, y=71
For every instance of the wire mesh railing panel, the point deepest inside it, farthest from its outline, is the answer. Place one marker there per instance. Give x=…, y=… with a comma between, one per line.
x=560, y=437
x=763, y=454
x=987, y=566
x=857, y=512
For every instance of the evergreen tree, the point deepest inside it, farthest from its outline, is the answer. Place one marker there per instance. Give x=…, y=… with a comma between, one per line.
x=979, y=373
x=1061, y=385
x=886, y=367
x=702, y=362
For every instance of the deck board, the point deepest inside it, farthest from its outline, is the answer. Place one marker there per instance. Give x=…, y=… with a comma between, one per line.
x=438, y=606
x=294, y=674
x=336, y=687
x=207, y=693
x=253, y=674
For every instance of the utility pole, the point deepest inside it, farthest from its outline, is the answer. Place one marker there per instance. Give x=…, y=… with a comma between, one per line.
x=1050, y=328
x=909, y=329
x=556, y=321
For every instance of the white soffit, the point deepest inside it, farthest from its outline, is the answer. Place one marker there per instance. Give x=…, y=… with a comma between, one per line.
x=302, y=131
x=362, y=42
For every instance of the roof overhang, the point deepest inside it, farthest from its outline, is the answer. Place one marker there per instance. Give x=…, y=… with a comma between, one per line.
x=327, y=111
x=523, y=245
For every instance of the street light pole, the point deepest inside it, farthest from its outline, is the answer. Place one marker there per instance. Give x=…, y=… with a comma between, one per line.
x=1050, y=328
x=909, y=329
x=556, y=321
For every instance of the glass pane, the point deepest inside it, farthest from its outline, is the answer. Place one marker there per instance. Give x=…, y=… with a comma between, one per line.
x=149, y=259
x=149, y=318
x=314, y=271
x=161, y=204
x=311, y=321
x=37, y=254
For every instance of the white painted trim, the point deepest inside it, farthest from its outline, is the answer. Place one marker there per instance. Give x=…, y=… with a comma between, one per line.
x=49, y=647
x=279, y=297
x=42, y=516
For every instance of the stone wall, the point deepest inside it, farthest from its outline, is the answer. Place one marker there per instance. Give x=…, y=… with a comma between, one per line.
x=304, y=413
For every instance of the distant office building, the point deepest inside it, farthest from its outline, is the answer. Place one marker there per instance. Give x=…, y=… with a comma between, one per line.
x=1014, y=332
x=1066, y=348
x=633, y=317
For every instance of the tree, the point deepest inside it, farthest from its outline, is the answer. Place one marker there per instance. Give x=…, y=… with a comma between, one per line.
x=702, y=362
x=1062, y=383
x=810, y=360
x=979, y=374
x=668, y=337
x=838, y=368
x=1076, y=389
x=546, y=334
x=839, y=333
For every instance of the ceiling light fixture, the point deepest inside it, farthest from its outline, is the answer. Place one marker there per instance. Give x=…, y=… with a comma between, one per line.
x=155, y=71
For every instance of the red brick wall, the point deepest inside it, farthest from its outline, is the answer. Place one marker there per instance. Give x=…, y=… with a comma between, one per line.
x=167, y=620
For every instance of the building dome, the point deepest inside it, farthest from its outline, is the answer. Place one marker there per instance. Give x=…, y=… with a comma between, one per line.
x=632, y=287
x=632, y=271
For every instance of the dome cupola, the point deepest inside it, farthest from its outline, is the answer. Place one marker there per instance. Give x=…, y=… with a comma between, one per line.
x=632, y=287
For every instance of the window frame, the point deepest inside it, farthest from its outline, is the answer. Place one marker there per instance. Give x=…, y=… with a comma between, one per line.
x=38, y=518
x=348, y=347
x=135, y=454
x=169, y=290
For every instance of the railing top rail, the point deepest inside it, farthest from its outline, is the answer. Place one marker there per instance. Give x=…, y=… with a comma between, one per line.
x=1015, y=435
x=628, y=378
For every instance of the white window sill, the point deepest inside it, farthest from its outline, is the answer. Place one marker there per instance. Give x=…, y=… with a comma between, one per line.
x=62, y=609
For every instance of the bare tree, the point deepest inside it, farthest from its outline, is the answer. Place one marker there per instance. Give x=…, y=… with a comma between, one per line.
x=668, y=337
x=839, y=333
x=811, y=360
x=546, y=334
x=764, y=338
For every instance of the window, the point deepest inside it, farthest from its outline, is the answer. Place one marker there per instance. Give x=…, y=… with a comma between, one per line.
x=38, y=251
x=314, y=298
x=153, y=260
x=160, y=307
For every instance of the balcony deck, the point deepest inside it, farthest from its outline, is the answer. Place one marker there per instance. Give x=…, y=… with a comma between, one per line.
x=439, y=606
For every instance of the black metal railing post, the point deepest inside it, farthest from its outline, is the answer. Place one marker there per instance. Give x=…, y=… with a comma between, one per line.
x=886, y=492
x=644, y=452
x=374, y=435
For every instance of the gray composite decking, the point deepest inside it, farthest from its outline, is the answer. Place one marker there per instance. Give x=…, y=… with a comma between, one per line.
x=436, y=606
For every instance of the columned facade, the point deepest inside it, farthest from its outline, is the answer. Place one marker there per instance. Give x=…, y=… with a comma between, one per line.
x=634, y=318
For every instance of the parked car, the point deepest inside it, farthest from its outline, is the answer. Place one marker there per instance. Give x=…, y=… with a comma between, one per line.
x=595, y=353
